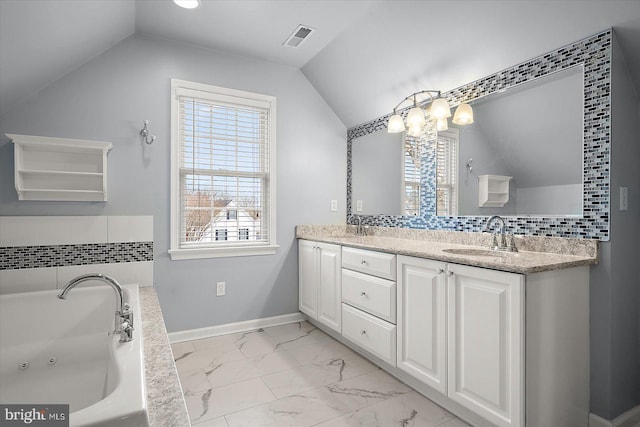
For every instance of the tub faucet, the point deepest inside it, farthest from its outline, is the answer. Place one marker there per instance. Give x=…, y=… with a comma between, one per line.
x=124, y=315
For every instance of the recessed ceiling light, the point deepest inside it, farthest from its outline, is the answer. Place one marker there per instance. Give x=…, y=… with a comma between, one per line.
x=187, y=4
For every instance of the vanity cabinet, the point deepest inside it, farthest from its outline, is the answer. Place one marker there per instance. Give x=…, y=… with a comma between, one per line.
x=460, y=332
x=485, y=314
x=422, y=321
x=369, y=301
x=320, y=287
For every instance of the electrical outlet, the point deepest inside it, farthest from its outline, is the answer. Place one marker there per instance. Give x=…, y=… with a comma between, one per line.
x=624, y=199
x=220, y=289
x=334, y=206
x=359, y=206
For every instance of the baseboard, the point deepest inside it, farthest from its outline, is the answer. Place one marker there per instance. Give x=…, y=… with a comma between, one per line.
x=631, y=418
x=231, y=328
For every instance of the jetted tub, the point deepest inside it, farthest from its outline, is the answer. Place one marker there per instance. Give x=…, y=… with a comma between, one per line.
x=65, y=352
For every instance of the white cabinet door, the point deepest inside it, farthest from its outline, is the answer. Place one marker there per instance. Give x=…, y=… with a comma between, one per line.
x=421, y=311
x=330, y=285
x=308, y=278
x=486, y=343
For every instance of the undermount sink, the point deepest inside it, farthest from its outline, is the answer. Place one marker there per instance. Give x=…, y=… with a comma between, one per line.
x=477, y=252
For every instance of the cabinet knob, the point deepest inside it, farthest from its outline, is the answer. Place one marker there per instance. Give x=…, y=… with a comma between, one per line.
x=363, y=294
x=449, y=273
x=440, y=270
x=364, y=261
x=363, y=332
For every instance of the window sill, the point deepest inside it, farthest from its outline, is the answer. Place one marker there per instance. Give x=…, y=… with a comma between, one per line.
x=201, y=253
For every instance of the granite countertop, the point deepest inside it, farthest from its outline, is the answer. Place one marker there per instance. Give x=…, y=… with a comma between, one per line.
x=165, y=401
x=536, y=254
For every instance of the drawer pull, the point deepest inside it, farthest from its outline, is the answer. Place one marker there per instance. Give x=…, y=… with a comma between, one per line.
x=363, y=332
x=363, y=294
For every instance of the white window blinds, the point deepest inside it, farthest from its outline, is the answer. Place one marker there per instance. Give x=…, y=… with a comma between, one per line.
x=224, y=168
x=446, y=173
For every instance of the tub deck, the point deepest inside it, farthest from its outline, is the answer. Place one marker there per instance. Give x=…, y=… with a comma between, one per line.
x=165, y=402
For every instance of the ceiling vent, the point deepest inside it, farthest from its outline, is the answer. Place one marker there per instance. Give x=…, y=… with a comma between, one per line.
x=299, y=35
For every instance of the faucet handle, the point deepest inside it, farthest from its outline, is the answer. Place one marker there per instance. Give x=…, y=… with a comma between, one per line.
x=512, y=244
x=494, y=242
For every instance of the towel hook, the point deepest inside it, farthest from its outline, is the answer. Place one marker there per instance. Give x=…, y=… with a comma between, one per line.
x=146, y=133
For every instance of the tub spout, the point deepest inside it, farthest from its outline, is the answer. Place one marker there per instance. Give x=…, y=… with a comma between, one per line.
x=124, y=315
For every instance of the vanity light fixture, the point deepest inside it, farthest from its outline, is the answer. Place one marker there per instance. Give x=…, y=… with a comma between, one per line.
x=187, y=4
x=438, y=109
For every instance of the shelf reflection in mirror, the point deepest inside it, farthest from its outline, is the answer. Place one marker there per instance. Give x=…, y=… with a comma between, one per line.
x=531, y=132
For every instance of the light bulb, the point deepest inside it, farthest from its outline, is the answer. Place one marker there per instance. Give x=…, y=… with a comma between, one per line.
x=440, y=109
x=442, y=125
x=463, y=115
x=395, y=124
x=416, y=117
x=187, y=4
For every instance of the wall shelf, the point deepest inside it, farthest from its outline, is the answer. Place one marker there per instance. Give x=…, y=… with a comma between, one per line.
x=60, y=169
x=493, y=191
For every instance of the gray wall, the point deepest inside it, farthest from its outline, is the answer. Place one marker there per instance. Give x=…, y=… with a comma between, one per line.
x=615, y=281
x=376, y=173
x=108, y=98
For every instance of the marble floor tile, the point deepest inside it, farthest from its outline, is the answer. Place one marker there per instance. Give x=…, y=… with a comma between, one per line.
x=411, y=409
x=239, y=370
x=294, y=375
x=217, y=402
x=363, y=390
x=316, y=374
x=194, y=381
x=292, y=411
x=216, y=422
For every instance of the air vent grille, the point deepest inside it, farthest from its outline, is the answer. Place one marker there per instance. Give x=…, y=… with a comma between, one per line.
x=299, y=35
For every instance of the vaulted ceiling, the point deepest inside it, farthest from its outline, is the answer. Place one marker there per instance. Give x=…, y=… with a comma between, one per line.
x=364, y=57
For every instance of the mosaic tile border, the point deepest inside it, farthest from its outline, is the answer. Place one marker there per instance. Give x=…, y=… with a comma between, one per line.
x=594, y=53
x=21, y=257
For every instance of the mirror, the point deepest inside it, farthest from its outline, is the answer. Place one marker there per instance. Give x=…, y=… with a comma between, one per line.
x=385, y=174
x=590, y=59
x=523, y=155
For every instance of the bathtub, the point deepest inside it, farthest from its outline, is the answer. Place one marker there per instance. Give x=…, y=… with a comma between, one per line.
x=56, y=351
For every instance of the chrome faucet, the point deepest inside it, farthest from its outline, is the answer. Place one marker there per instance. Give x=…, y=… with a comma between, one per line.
x=502, y=246
x=360, y=229
x=124, y=315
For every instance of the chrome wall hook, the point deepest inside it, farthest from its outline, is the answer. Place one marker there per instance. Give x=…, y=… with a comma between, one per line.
x=146, y=133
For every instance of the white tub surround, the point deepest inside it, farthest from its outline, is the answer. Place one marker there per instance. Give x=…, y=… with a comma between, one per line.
x=66, y=352
x=45, y=252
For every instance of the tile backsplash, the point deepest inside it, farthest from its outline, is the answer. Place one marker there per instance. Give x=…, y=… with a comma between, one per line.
x=42, y=253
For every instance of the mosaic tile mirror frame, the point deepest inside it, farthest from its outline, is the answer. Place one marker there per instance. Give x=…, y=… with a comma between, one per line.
x=594, y=54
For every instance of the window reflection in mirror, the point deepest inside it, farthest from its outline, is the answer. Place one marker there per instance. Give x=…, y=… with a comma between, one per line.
x=532, y=133
x=386, y=174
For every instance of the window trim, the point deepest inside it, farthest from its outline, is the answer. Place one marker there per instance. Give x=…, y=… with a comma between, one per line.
x=175, y=251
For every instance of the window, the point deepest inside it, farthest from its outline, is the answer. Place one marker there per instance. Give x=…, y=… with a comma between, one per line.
x=222, y=172
x=243, y=234
x=446, y=170
x=221, y=234
x=411, y=176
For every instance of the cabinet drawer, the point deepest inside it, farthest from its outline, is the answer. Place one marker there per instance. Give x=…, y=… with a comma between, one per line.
x=376, y=263
x=370, y=333
x=372, y=294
